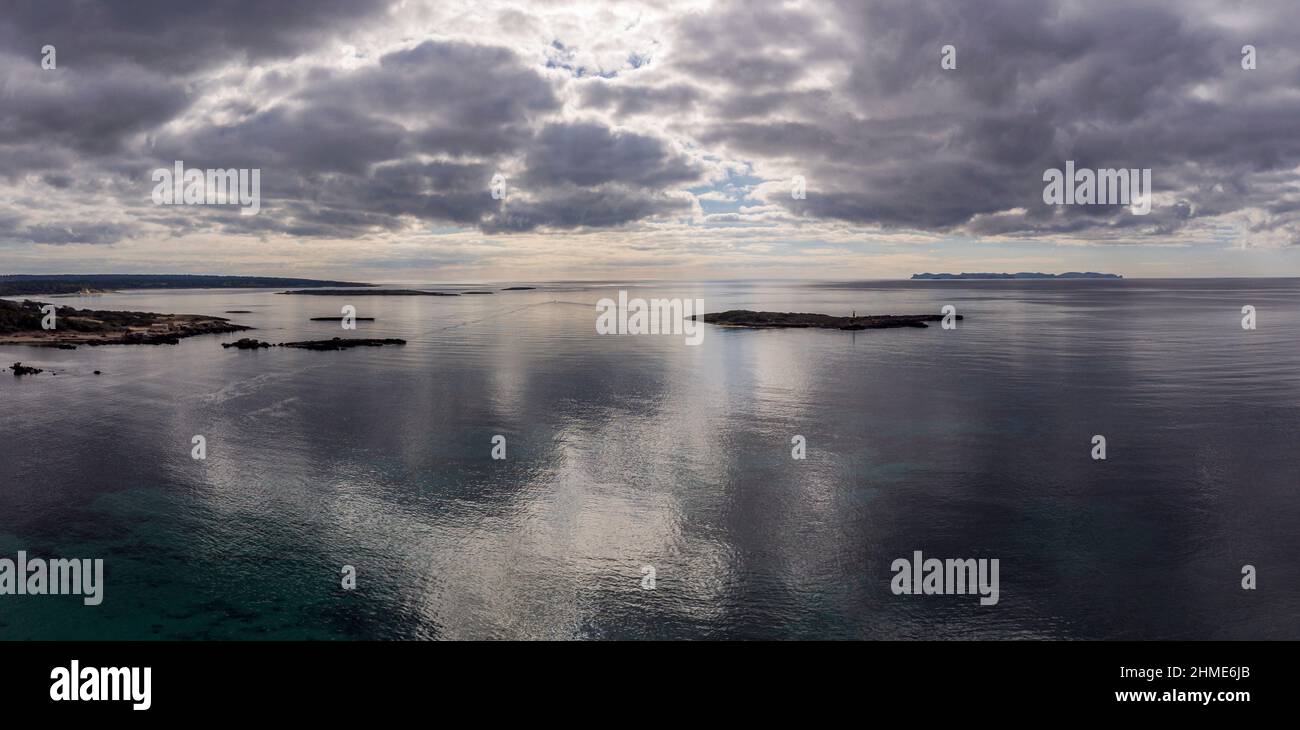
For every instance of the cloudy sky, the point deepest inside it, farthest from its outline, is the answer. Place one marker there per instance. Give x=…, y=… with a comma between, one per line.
x=651, y=139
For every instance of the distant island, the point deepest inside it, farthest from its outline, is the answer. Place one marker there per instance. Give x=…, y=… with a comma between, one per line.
x=20, y=324
x=17, y=284
x=372, y=293
x=770, y=320
x=336, y=343
x=1021, y=275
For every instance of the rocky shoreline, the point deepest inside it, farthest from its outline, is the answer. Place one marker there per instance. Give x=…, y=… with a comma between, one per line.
x=20, y=324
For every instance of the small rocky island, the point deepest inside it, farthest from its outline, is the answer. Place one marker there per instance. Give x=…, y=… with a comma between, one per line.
x=336, y=343
x=20, y=324
x=770, y=320
x=370, y=293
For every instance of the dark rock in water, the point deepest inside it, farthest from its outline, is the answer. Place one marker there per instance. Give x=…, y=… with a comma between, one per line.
x=339, y=343
x=246, y=343
x=239, y=311
x=519, y=288
x=772, y=320
x=476, y=292
x=98, y=373
x=340, y=319
x=21, y=369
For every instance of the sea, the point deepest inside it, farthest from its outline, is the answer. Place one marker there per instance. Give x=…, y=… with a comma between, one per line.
x=650, y=489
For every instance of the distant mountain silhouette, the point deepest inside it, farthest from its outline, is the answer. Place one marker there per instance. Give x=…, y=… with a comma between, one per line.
x=1021, y=275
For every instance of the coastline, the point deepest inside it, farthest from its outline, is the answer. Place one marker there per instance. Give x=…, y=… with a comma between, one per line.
x=23, y=324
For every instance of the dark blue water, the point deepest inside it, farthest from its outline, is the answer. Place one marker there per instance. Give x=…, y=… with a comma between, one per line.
x=624, y=452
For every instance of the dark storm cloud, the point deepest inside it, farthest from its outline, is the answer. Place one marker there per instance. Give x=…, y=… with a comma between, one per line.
x=176, y=38
x=452, y=98
x=574, y=207
x=467, y=98
x=355, y=205
x=88, y=113
x=591, y=154
x=123, y=70
x=347, y=141
x=340, y=151
x=65, y=234
x=852, y=95
x=849, y=94
x=630, y=100
x=301, y=140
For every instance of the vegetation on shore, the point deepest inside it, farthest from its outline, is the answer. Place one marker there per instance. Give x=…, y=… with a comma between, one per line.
x=20, y=323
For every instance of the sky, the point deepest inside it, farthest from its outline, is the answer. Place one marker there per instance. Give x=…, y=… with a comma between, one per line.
x=649, y=140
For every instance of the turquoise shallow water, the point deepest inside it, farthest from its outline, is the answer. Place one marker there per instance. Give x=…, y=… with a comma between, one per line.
x=624, y=452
